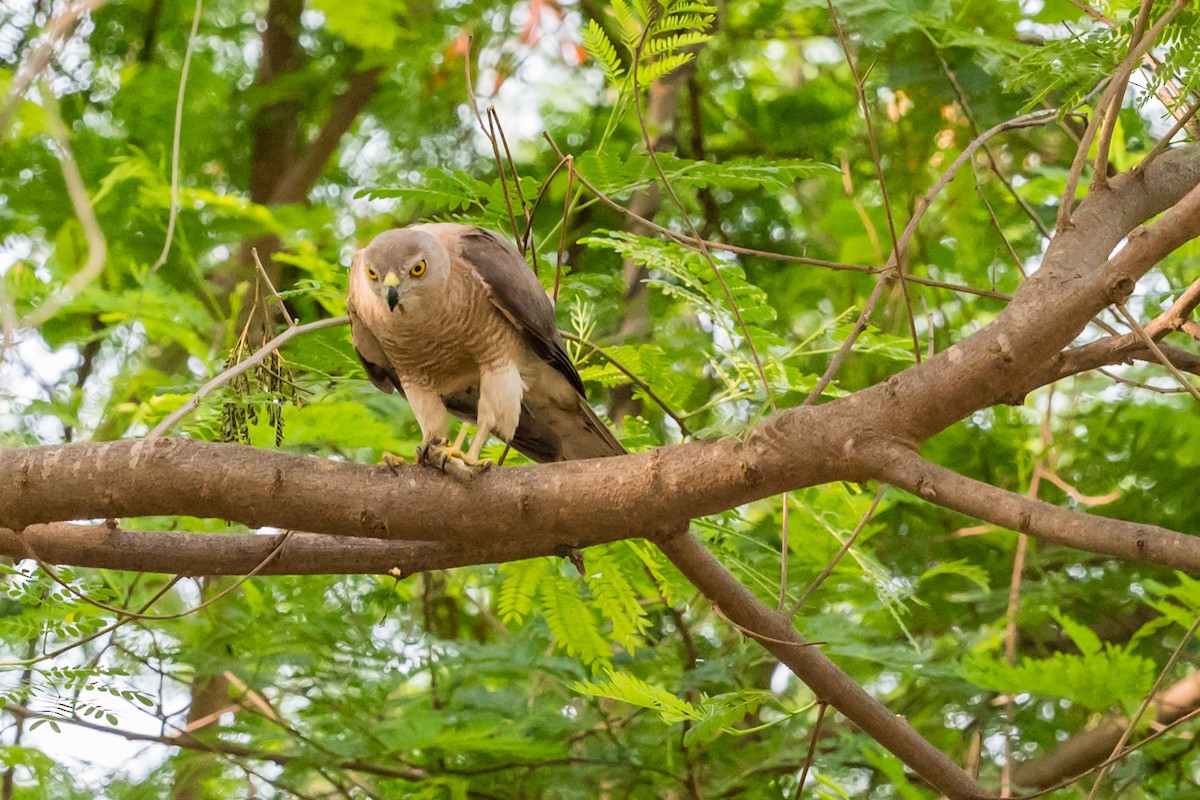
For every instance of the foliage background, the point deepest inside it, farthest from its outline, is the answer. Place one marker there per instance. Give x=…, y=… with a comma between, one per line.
x=529, y=679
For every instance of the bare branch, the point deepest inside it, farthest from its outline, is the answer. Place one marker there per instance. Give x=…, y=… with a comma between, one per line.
x=1126, y=540
x=774, y=631
x=1151, y=345
x=201, y=554
x=1150, y=697
x=897, y=257
x=1166, y=138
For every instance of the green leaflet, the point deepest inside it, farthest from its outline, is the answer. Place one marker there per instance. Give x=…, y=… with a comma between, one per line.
x=1099, y=679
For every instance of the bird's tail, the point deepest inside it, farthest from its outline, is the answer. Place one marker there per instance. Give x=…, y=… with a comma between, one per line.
x=549, y=432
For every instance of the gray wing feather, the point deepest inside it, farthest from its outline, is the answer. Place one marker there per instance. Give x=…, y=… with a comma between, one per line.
x=519, y=296
x=547, y=430
x=378, y=368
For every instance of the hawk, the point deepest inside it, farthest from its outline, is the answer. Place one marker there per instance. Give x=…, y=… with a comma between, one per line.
x=453, y=318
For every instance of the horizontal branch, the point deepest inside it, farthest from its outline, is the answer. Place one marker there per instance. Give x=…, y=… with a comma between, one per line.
x=579, y=502
x=1131, y=541
x=194, y=554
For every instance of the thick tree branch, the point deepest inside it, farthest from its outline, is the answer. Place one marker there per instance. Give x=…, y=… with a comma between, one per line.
x=200, y=554
x=1092, y=747
x=1076, y=281
x=297, y=181
x=774, y=631
x=643, y=493
x=1131, y=541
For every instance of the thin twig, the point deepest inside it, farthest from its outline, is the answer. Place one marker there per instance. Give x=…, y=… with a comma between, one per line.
x=897, y=250
x=1031, y=120
x=1176, y=317
x=1111, y=111
x=1148, y=340
x=812, y=748
x=49, y=570
x=688, y=241
x=699, y=240
x=845, y=548
x=124, y=617
x=1133, y=721
x=512, y=165
x=537, y=201
x=175, y=140
x=1165, y=140
x=97, y=246
x=262, y=271
x=490, y=133
x=237, y=369
x=1115, y=87
x=860, y=325
x=562, y=232
x=628, y=373
x=995, y=165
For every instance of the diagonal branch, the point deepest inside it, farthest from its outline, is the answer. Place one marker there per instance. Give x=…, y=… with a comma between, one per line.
x=1131, y=541
x=774, y=631
x=297, y=181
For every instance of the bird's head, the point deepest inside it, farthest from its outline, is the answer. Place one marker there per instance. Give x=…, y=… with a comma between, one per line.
x=403, y=268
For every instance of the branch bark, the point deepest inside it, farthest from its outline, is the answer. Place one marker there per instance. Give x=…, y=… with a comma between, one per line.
x=1091, y=748
x=774, y=631
x=197, y=554
x=1130, y=541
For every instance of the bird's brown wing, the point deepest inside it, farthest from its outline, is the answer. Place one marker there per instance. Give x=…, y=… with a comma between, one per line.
x=518, y=295
x=376, y=363
x=548, y=431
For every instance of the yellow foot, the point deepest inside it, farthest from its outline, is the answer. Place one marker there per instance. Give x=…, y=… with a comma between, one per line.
x=392, y=461
x=448, y=458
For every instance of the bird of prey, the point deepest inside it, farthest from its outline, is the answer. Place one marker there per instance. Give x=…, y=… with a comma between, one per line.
x=453, y=318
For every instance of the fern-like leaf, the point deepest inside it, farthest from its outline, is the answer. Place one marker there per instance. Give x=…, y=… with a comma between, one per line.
x=519, y=588
x=617, y=599
x=572, y=622
x=599, y=47
x=628, y=689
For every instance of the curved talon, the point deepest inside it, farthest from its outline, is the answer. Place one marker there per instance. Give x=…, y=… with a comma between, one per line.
x=440, y=454
x=392, y=461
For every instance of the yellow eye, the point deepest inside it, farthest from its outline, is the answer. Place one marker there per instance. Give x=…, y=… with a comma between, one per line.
x=372, y=274
x=418, y=269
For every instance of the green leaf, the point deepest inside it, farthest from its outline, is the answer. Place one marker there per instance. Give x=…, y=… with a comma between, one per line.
x=572, y=621
x=628, y=689
x=1098, y=681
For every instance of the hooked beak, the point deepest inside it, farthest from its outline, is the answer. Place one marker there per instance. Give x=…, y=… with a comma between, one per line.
x=391, y=281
